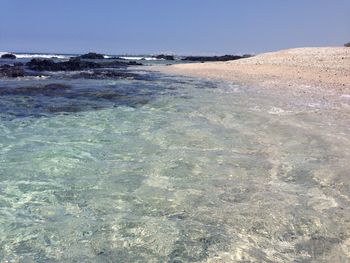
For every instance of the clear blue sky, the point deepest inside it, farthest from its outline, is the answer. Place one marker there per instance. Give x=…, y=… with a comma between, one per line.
x=179, y=26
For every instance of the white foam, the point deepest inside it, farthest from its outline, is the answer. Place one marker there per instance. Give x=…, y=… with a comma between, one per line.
x=140, y=58
x=41, y=56
x=36, y=55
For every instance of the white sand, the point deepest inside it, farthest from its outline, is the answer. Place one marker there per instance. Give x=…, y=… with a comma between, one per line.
x=326, y=68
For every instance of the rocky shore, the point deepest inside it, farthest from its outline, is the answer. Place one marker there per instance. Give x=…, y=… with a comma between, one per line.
x=90, y=61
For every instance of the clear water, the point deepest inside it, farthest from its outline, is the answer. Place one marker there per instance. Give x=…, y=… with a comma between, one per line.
x=170, y=169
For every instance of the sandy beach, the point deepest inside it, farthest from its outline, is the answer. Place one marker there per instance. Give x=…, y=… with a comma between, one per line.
x=327, y=68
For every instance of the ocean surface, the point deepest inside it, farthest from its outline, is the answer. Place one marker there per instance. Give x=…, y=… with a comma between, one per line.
x=159, y=168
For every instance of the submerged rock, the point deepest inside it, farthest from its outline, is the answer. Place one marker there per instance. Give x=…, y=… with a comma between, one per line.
x=134, y=63
x=105, y=74
x=92, y=55
x=11, y=71
x=47, y=90
x=8, y=56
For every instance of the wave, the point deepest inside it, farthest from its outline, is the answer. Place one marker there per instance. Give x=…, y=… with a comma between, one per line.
x=140, y=58
x=24, y=55
x=60, y=56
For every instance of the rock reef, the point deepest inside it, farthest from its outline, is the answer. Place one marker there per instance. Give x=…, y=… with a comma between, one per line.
x=74, y=64
x=50, y=65
x=214, y=58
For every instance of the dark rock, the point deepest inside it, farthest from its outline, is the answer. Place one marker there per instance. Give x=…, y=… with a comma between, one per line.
x=8, y=56
x=40, y=64
x=347, y=45
x=92, y=55
x=50, y=65
x=247, y=56
x=118, y=61
x=77, y=64
x=74, y=64
x=118, y=64
x=11, y=71
x=214, y=58
x=166, y=57
x=134, y=63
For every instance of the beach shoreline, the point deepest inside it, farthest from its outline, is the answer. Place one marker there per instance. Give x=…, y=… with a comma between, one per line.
x=297, y=70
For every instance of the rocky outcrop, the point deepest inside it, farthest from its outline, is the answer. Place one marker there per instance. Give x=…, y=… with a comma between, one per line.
x=33, y=67
x=166, y=57
x=214, y=58
x=92, y=55
x=71, y=65
x=50, y=65
x=8, y=56
x=74, y=64
x=347, y=45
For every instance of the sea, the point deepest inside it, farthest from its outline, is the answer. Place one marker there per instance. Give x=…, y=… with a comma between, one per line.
x=153, y=167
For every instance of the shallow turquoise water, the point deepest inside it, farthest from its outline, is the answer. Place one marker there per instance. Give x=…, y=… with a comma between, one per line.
x=170, y=169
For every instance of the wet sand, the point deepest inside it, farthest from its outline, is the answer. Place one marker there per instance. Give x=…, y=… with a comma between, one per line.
x=307, y=76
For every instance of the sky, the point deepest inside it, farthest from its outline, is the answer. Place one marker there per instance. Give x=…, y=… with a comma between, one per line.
x=171, y=26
